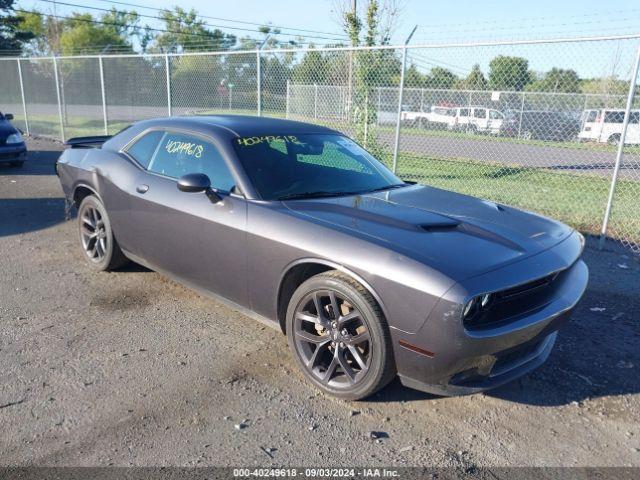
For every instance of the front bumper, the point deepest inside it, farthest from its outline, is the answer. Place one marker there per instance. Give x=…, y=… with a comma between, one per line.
x=11, y=153
x=465, y=361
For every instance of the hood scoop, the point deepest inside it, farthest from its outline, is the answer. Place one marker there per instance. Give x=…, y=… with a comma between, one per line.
x=374, y=211
x=440, y=226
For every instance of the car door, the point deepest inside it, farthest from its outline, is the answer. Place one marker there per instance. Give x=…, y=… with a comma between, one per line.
x=480, y=118
x=494, y=123
x=187, y=234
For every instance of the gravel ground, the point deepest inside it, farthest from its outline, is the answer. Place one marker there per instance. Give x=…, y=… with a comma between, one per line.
x=130, y=368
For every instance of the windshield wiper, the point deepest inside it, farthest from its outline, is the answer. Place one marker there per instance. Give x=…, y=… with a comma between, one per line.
x=387, y=187
x=317, y=194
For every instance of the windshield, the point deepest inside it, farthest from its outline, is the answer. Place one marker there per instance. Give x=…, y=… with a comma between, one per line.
x=312, y=165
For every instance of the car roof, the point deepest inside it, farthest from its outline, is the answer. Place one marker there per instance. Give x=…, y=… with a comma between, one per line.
x=243, y=125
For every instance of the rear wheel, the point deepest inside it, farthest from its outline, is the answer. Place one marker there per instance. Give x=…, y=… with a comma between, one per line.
x=339, y=336
x=96, y=237
x=614, y=139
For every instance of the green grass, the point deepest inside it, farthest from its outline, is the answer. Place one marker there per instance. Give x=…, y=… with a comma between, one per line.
x=577, y=199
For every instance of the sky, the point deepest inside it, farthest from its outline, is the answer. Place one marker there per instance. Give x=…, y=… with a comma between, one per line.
x=445, y=22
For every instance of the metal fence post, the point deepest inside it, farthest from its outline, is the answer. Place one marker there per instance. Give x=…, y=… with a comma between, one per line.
x=521, y=111
x=258, y=84
x=379, y=105
x=104, y=97
x=619, y=153
x=259, y=75
x=396, y=145
x=315, y=101
x=168, y=72
x=24, y=101
x=55, y=74
x=286, y=113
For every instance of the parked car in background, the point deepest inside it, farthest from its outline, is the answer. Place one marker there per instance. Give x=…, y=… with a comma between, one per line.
x=471, y=119
x=297, y=225
x=605, y=126
x=540, y=125
x=480, y=119
x=13, y=150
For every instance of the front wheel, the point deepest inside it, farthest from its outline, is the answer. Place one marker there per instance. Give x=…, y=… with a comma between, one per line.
x=96, y=237
x=339, y=336
x=614, y=139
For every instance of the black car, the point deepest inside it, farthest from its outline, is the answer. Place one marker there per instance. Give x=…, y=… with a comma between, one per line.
x=554, y=126
x=13, y=150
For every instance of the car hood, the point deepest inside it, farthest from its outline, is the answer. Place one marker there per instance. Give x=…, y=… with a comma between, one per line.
x=461, y=236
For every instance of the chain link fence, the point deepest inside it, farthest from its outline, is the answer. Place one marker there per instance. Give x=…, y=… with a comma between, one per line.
x=549, y=126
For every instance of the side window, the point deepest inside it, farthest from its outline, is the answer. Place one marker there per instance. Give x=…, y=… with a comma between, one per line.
x=144, y=148
x=464, y=112
x=634, y=117
x=479, y=113
x=614, y=116
x=179, y=154
x=592, y=116
x=494, y=115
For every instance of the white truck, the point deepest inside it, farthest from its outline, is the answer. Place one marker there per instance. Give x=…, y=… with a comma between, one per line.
x=473, y=119
x=605, y=126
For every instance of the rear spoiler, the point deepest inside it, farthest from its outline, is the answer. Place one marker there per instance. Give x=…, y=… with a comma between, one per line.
x=87, y=142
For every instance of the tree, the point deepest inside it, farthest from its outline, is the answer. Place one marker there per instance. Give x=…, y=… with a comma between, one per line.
x=413, y=78
x=313, y=68
x=475, y=80
x=441, y=78
x=81, y=34
x=369, y=68
x=185, y=33
x=12, y=36
x=508, y=73
x=610, y=85
x=557, y=80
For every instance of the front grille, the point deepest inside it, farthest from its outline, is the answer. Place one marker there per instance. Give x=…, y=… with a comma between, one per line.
x=527, y=287
x=512, y=303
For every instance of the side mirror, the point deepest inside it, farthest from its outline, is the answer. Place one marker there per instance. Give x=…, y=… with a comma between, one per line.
x=8, y=116
x=198, y=182
x=194, y=182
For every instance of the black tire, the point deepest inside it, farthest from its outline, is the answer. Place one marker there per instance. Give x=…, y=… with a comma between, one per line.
x=377, y=351
x=614, y=139
x=17, y=164
x=99, y=245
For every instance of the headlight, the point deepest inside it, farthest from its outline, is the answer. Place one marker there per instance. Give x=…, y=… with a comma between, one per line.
x=476, y=304
x=15, y=138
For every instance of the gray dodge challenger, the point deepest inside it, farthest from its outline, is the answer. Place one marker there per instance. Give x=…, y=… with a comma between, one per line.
x=299, y=227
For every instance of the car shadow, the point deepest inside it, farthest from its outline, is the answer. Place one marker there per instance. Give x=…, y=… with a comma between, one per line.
x=38, y=162
x=23, y=215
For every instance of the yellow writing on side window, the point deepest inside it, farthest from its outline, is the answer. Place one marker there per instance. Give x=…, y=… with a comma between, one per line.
x=251, y=141
x=187, y=148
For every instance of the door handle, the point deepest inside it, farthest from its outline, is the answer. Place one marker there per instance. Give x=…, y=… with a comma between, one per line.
x=142, y=188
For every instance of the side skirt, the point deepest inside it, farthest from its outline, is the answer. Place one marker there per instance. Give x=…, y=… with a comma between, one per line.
x=207, y=293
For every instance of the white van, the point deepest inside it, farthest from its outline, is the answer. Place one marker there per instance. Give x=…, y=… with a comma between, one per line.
x=605, y=126
x=480, y=119
x=474, y=119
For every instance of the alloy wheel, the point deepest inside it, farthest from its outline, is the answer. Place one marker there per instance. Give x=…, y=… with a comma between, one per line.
x=93, y=233
x=332, y=339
